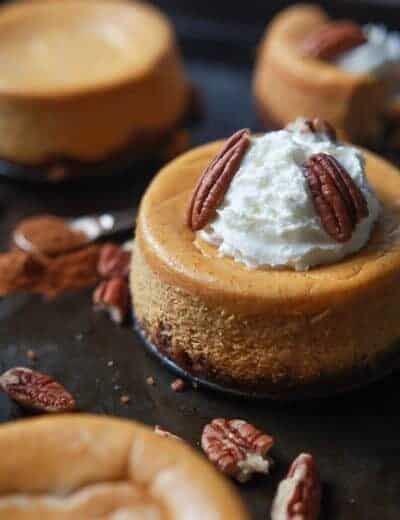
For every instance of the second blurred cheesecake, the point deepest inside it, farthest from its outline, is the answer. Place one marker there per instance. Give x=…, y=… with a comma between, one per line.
x=84, y=82
x=310, y=65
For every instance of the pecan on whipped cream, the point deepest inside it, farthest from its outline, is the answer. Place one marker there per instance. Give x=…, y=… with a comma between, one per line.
x=272, y=213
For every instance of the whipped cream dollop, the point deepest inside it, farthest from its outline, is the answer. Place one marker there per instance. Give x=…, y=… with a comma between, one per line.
x=267, y=217
x=379, y=55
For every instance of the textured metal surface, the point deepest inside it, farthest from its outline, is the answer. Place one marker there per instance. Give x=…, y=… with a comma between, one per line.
x=354, y=437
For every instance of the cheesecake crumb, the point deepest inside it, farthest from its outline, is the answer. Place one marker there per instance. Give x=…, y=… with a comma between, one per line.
x=125, y=399
x=178, y=385
x=31, y=355
x=110, y=363
x=150, y=381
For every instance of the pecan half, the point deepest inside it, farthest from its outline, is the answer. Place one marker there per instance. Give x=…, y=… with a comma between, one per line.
x=114, y=260
x=320, y=126
x=299, y=495
x=216, y=179
x=337, y=199
x=35, y=390
x=112, y=296
x=333, y=39
x=237, y=448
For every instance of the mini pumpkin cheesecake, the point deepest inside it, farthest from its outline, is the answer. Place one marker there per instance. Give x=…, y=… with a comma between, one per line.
x=283, y=276
x=87, y=85
x=80, y=467
x=331, y=69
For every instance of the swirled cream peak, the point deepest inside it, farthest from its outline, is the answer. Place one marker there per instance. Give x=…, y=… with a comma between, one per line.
x=268, y=218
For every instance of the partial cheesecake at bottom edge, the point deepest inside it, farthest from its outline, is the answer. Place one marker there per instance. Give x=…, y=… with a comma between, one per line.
x=85, y=466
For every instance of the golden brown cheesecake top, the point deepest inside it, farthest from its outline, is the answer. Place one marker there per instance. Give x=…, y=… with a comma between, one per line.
x=80, y=467
x=52, y=47
x=172, y=251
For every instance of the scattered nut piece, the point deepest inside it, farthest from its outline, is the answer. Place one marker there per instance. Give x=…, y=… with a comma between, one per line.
x=299, y=495
x=114, y=261
x=125, y=399
x=150, y=381
x=57, y=173
x=112, y=296
x=178, y=385
x=237, y=448
x=164, y=433
x=31, y=355
x=37, y=391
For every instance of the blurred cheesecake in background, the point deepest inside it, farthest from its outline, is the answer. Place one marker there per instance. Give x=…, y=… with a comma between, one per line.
x=310, y=65
x=76, y=467
x=83, y=82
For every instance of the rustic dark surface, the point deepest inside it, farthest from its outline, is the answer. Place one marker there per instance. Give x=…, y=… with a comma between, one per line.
x=354, y=437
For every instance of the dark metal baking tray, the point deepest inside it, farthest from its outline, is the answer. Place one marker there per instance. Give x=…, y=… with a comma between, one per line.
x=354, y=437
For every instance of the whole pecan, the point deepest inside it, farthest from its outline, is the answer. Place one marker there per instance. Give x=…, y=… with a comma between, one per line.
x=321, y=126
x=216, y=179
x=112, y=296
x=333, y=39
x=237, y=448
x=337, y=199
x=299, y=495
x=36, y=390
x=114, y=260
